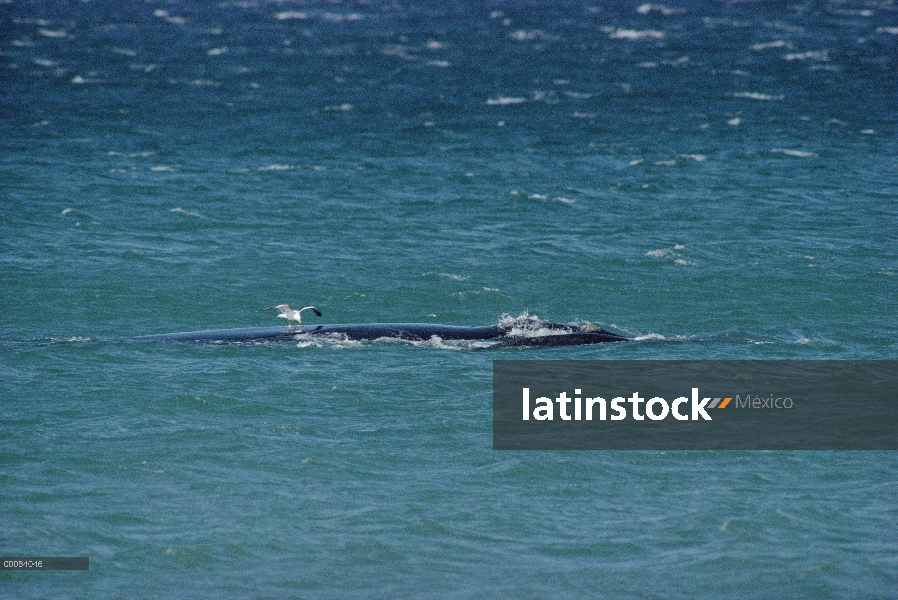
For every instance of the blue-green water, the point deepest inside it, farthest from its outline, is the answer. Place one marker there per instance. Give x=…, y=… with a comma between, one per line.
x=717, y=180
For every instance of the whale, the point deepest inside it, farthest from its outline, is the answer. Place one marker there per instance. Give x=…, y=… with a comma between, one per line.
x=567, y=335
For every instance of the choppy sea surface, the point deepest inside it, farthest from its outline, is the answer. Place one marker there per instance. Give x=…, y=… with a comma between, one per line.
x=716, y=179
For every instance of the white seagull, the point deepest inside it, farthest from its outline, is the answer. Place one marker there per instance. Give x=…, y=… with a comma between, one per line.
x=293, y=315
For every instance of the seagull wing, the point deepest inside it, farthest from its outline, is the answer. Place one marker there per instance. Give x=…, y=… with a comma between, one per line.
x=311, y=308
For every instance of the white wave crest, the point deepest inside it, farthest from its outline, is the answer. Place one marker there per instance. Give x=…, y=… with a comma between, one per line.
x=796, y=153
x=649, y=336
x=633, y=34
x=338, y=341
x=756, y=96
x=505, y=100
x=181, y=211
x=290, y=14
x=527, y=325
x=645, y=9
x=342, y=342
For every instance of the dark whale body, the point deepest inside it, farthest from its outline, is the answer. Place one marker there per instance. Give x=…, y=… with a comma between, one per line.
x=568, y=335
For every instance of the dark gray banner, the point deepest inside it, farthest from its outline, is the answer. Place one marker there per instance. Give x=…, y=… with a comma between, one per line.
x=44, y=563
x=695, y=405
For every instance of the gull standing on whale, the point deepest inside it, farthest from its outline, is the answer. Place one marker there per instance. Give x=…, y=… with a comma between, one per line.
x=293, y=315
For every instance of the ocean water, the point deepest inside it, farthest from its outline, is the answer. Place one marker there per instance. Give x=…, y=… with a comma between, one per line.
x=715, y=179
